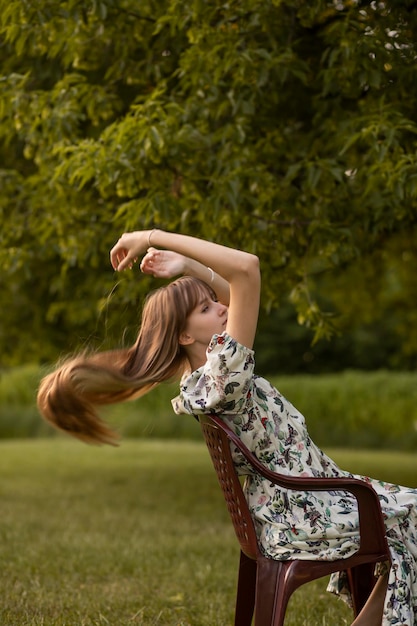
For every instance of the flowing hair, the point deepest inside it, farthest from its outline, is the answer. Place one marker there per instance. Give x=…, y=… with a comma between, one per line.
x=68, y=397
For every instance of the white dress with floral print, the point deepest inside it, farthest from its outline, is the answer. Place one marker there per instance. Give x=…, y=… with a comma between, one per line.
x=290, y=524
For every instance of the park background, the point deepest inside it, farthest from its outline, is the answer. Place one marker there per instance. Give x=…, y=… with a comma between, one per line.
x=284, y=128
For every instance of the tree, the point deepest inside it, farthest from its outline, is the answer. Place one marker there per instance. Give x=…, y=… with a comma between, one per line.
x=283, y=127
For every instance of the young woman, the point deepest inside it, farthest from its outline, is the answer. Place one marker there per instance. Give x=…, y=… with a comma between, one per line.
x=202, y=327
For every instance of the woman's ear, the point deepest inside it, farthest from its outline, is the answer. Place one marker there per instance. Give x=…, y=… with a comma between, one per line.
x=185, y=339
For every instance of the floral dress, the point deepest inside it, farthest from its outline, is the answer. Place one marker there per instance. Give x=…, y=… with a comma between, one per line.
x=291, y=524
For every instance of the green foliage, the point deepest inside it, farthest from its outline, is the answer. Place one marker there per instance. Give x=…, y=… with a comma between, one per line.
x=18, y=385
x=358, y=409
x=285, y=128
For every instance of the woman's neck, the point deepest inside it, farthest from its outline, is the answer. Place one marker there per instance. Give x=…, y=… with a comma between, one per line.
x=196, y=356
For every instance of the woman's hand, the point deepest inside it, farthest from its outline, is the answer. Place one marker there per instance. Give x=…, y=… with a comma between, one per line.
x=129, y=247
x=163, y=263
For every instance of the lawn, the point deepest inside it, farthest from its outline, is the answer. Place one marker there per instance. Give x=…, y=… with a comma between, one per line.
x=133, y=535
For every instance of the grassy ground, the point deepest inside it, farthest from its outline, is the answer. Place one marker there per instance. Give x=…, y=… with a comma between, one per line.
x=133, y=535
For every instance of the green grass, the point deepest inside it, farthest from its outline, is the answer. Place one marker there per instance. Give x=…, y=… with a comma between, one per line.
x=133, y=535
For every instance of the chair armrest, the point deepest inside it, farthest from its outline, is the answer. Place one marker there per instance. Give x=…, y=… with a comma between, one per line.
x=371, y=525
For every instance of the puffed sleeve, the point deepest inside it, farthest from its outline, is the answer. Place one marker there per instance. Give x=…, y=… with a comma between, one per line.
x=223, y=384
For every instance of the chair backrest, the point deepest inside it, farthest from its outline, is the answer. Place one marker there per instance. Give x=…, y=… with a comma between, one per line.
x=218, y=445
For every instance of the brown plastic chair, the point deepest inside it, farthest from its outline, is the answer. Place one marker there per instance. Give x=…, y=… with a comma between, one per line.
x=265, y=585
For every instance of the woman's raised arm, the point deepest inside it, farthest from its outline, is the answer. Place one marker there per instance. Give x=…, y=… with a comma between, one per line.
x=240, y=269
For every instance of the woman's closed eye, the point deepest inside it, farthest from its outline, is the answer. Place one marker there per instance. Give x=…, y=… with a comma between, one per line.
x=208, y=304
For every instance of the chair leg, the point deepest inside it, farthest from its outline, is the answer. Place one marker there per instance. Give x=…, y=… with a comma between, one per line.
x=245, y=600
x=272, y=594
x=361, y=582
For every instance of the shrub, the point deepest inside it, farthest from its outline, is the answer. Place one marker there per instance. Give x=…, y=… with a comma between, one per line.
x=349, y=409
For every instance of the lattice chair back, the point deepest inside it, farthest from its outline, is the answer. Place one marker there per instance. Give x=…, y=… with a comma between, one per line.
x=218, y=446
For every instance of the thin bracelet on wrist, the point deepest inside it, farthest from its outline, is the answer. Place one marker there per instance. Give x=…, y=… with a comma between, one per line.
x=211, y=274
x=150, y=235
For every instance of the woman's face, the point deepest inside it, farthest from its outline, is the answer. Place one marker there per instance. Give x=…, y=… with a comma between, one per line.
x=207, y=319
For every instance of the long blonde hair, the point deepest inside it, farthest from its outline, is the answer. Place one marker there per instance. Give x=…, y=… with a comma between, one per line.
x=68, y=396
